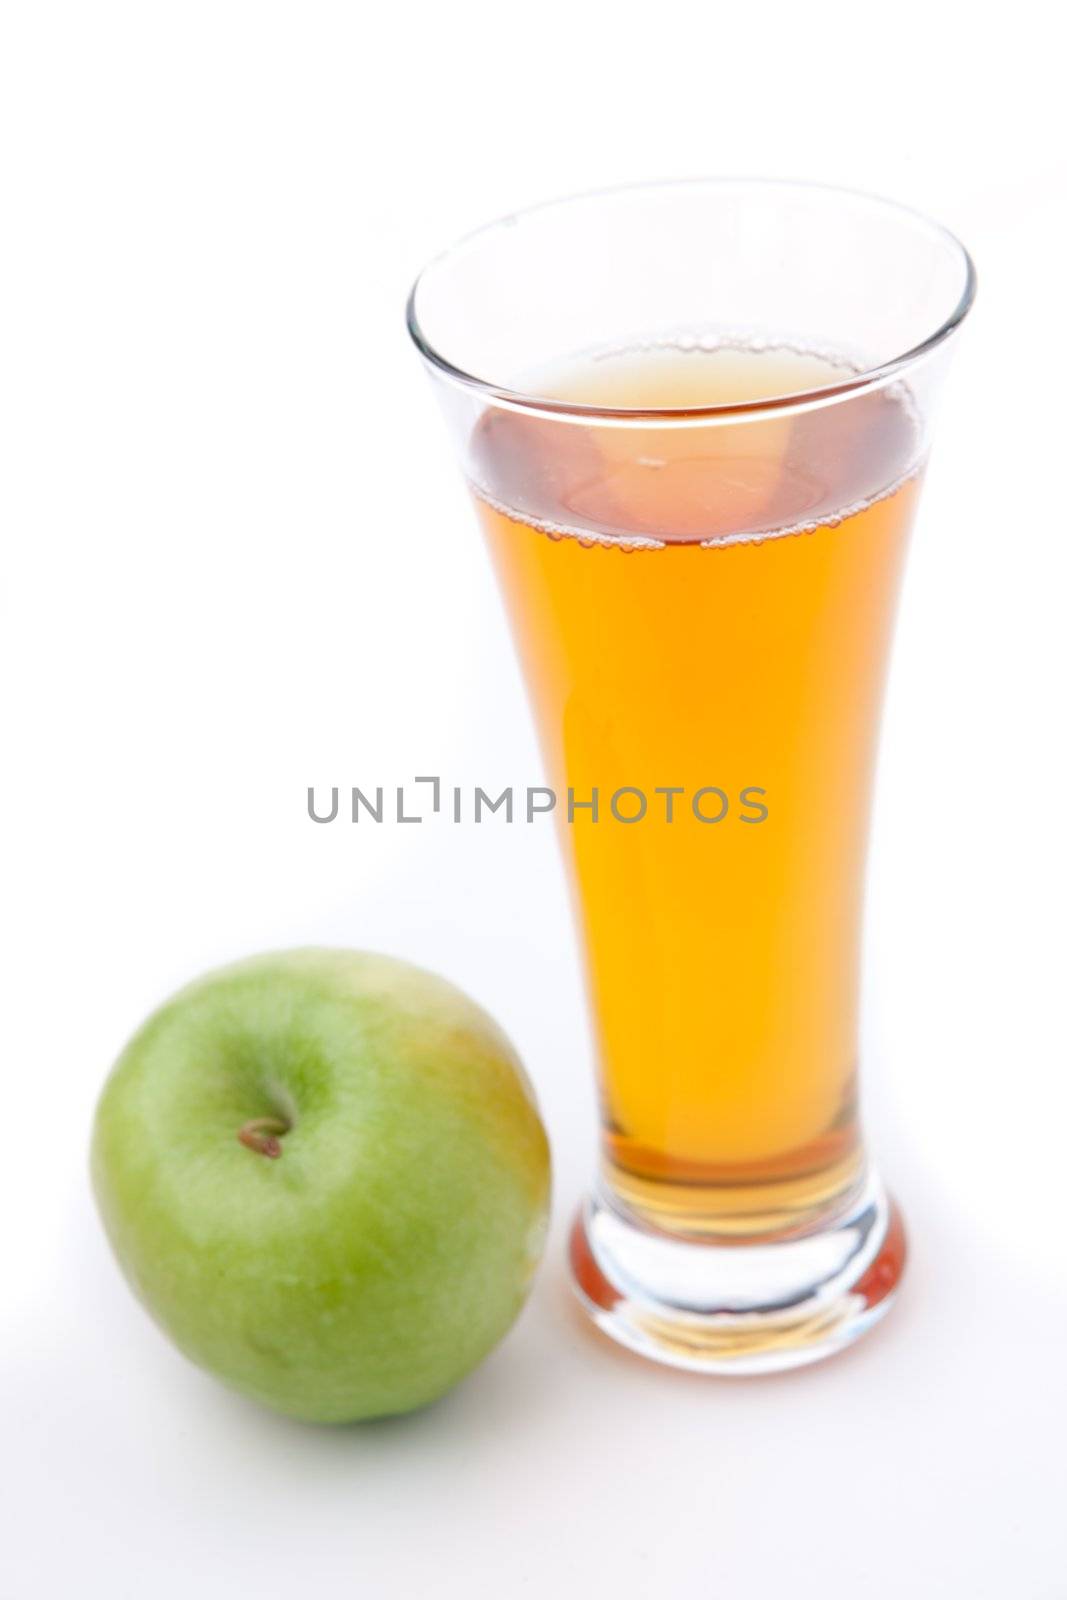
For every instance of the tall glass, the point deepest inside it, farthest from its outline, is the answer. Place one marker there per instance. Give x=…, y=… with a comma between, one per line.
x=694, y=418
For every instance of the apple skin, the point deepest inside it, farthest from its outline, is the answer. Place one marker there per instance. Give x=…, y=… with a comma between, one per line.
x=383, y=1253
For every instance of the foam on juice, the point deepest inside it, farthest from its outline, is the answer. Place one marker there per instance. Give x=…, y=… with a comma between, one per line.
x=637, y=482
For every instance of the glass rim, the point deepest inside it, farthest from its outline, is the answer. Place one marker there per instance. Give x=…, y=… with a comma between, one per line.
x=867, y=378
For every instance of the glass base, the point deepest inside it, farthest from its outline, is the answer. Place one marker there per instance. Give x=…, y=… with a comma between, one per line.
x=732, y=1307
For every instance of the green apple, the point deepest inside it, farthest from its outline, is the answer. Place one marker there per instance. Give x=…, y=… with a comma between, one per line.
x=324, y=1174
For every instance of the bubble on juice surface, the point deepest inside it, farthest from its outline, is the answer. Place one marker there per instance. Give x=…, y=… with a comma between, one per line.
x=697, y=478
x=560, y=532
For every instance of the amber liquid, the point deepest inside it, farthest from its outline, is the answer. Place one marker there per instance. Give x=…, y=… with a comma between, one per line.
x=702, y=607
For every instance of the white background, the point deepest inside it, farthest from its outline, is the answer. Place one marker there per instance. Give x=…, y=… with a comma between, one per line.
x=238, y=559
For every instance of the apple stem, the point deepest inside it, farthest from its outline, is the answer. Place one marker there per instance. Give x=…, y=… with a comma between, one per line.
x=262, y=1134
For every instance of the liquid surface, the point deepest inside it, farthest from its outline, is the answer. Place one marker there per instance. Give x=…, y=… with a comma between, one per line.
x=675, y=632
